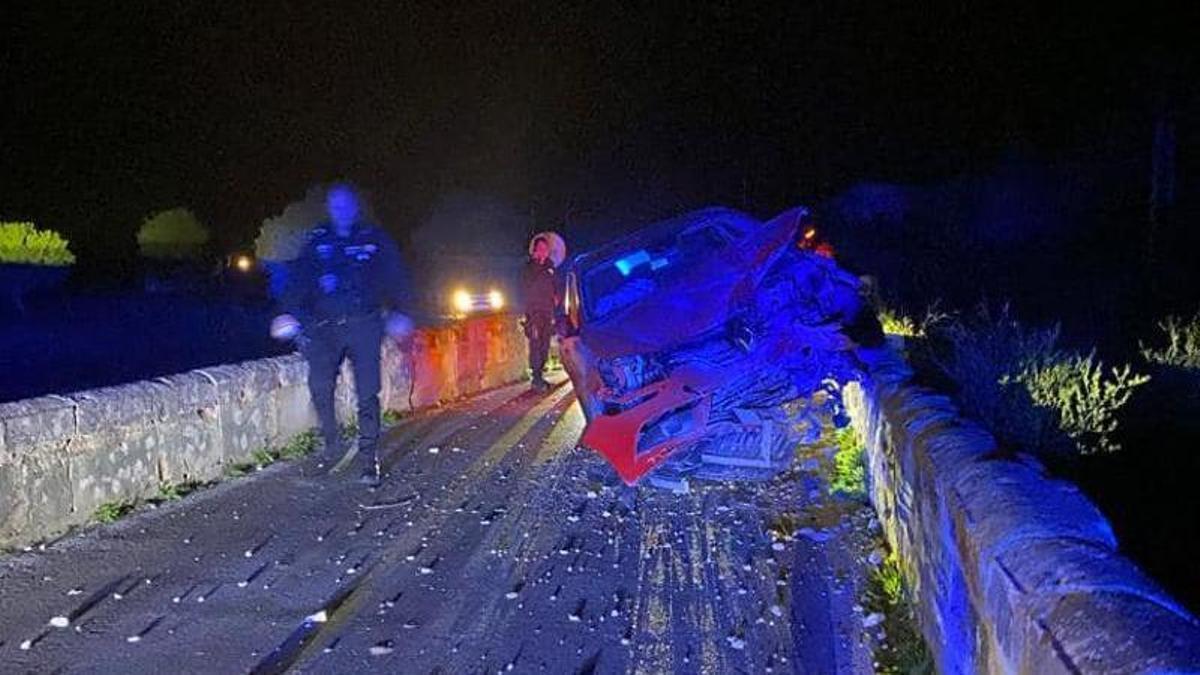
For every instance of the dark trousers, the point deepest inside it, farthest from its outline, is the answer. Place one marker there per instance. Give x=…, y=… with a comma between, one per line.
x=538, y=327
x=358, y=339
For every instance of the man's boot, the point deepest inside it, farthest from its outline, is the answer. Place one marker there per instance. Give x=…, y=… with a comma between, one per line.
x=372, y=472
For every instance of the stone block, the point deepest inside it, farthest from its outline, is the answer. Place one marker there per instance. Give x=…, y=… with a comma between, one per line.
x=35, y=499
x=294, y=412
x=246, y=407
x=100, y=411
x=948, y=450
x=1023, y=587
x=1111, y=632
x=190, y=448
x=41, y=421
x=397, y=377
x=119, y=464
x=1006, y=504
x=192, y=393
x=291, y=369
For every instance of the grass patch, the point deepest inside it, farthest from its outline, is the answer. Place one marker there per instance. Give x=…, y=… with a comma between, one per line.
x=301, y=445
x=111, y=512
x=904, y=651
x=849, y=472
x=392, y=417
x=173, y=492
x=263, y=457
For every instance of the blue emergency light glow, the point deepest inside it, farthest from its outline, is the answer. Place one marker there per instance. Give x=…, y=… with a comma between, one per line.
x=630, y=262
x=658, y=263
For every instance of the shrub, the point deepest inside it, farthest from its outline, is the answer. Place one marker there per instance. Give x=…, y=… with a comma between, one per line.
x=281, y=237
x=849, y=473
x=895, y=323
x=978, y=352
x=23, y=243
x=173, y=234
x=1183, y=343
x=1083, y=398
x=1063, y=399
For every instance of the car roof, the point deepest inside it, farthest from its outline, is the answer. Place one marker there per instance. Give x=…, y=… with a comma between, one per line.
x=658, y=229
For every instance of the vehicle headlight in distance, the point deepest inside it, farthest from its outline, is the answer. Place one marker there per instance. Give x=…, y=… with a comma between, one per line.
x=462, y=301
x=495, y=299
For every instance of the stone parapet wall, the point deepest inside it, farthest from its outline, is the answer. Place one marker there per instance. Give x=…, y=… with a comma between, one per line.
x=61, y=457
x=1012, y=571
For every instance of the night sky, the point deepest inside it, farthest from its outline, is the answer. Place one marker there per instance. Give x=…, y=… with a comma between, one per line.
x=566, y=112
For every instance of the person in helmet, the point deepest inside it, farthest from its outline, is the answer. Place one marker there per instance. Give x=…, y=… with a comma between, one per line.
x=539, y=287
x=343, y=295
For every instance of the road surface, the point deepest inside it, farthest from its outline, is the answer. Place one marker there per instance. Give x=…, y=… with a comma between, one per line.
x=494, y=545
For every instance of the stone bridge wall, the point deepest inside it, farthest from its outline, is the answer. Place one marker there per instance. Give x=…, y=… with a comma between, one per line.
x=61, y=457
x=1011, y=571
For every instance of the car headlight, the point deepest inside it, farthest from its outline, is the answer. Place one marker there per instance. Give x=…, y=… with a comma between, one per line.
x=462, y=301
x=495, y=299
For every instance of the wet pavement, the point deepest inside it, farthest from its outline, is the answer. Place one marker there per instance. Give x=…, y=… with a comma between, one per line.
x=493, y=545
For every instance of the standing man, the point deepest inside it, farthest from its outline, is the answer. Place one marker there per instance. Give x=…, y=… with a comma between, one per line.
x=341, y=297
x=540, y=291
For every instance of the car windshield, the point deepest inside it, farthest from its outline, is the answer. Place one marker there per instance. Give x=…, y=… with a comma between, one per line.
x=620, y=281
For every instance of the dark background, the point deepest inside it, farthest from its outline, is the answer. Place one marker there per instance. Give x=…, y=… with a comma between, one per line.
x=581, y=116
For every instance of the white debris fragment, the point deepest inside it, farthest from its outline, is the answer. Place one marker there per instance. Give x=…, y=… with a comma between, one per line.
x=573, y=618
x=456, y=450
x=511, y=595
x=26, y=645
x=591, y=494
x=60, y=622
x=381, y=650
x=133, y=639
x=434, y=451
x=872, y=620
x=736, y=642
x=75, y=591
x=426, y=570
x=776, y=610
x=778, y=546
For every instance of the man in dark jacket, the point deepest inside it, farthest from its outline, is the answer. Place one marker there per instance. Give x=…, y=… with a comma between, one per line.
x=540, y=291
x=348, y=275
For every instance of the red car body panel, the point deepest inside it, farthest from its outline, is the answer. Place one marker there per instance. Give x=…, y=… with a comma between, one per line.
x=616, y=436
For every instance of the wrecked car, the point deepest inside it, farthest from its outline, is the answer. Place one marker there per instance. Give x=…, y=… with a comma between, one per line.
x=690, y=341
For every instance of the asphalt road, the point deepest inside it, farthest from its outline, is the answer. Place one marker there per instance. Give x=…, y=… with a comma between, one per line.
x=494, y=545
